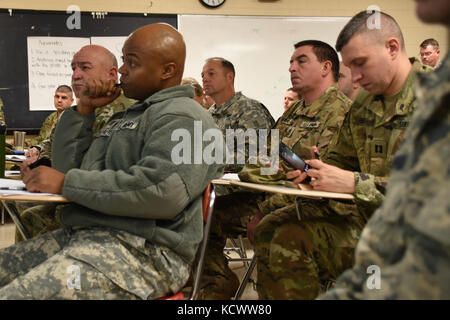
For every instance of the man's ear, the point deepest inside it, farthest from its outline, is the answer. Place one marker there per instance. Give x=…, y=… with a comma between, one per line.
x=113, y=72
x=326, y=68
x=393, y=46
x=230, y=76
x=169, y=70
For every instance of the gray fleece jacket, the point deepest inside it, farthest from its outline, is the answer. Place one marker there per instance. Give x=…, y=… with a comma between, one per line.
x=126, y=179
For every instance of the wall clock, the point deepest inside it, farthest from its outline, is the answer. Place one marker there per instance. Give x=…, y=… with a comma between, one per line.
x=212, y=3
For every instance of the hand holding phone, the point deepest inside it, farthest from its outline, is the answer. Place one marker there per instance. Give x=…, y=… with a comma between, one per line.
x=292, y=158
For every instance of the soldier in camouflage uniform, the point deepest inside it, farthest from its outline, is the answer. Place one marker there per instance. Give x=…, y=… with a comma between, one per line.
x=302, y=247
x=123, y=238
x=63, y=99
x=40, y=218
x=2, y=115
x=232, y=111
x=307, y=123
x=407, y=239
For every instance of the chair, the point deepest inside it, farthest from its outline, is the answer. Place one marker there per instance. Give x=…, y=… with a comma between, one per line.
x=209, y=196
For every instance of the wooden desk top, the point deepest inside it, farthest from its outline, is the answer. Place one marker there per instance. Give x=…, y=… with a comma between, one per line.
x=284, y=190
x=34, y=198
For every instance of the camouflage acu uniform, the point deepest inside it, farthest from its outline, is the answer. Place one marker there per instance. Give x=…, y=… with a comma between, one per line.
x=300, y=127
x=239, y=112
x=408, y=237
x=302, y=247
x=52, y=261
x=122, y=247
x=40, y=218
x=2, y=115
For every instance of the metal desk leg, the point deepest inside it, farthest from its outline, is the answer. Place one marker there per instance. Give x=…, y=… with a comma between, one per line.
x=244, y=281
x=12, y=211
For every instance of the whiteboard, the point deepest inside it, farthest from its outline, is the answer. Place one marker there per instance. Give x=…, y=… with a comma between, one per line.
x=113, y=44
x=259, y=47
x=49, y=65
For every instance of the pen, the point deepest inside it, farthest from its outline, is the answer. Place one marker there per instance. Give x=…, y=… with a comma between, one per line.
x=316, y=155
x=13, y=188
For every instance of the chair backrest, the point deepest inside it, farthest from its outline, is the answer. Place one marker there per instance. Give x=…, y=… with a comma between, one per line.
x=209, y=196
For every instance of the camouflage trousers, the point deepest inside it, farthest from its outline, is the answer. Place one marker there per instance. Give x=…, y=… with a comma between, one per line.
x=298, y=258
x=91, y=263
x=37, y=219
x=231, y=215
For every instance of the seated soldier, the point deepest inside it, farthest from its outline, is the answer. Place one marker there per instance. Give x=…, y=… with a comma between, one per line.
x=303, y=247
x=312, y=121
x=135, y=220
x=62, y=99
x=40, y=218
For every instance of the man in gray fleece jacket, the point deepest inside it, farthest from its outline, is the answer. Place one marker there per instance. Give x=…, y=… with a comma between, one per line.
x=135, y=220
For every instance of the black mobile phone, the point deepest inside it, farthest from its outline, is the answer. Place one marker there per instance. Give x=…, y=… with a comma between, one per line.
x=292, y=158
x=44, y=161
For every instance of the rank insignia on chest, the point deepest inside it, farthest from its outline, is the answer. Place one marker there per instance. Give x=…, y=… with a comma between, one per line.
x=378, y=149
x=310, y=124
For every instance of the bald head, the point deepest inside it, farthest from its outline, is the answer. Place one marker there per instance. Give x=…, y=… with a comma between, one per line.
x=376, y=27
x=92, y=62
x=154, y=57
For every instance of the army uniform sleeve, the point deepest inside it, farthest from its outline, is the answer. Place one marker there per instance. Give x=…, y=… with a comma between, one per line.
x=335, y=115
x=46, y=129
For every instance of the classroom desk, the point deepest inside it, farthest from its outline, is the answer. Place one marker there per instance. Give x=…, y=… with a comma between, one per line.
x=284, y=190
x=12, y=211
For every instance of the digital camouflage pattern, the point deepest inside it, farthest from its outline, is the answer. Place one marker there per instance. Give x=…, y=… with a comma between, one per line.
x=39, y=219
x=46, y=268
x=300, y=127
x=407, y=238
x=241, y=112
x=326, y=232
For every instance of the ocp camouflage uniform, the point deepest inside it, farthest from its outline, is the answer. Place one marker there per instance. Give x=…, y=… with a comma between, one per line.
x=239, y=112
x=102, y=115
x=2, y=115
x=300, y=127
x=304, y=246
x=40, y=218
x=46, y=129
x=408, y=237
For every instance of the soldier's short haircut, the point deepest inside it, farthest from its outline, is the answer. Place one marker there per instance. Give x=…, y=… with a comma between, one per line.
x=359, y=24
x=323, y=52
x=430, y=42
x=225, y=64
x=64, y=88
x=194, y=84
